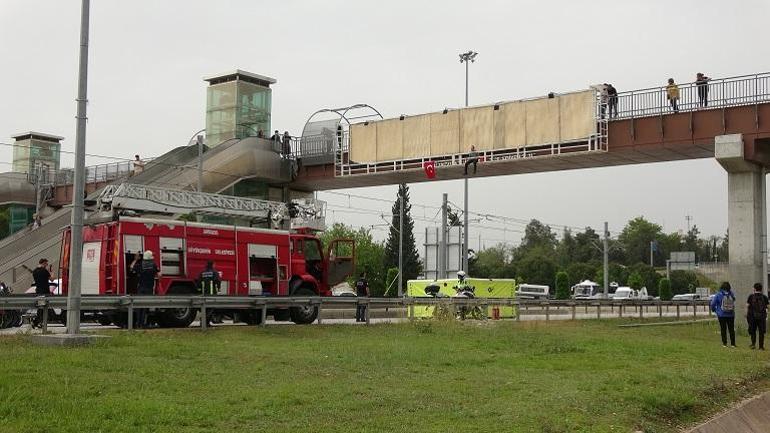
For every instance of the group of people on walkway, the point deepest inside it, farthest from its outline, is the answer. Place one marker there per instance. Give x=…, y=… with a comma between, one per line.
x=608, y=95
x=723, y=305
x=282, y=141
x=701, y=83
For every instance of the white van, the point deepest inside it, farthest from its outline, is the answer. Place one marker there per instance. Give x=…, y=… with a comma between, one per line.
x=625, y=293
x=587, y=290
x=532, y=291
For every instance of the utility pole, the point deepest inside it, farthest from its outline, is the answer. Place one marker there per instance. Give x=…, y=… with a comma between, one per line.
x=442, y=248
x=400, y=242
x=467, y=57
x=606, y=262
x=76, y=222
x=652, y=246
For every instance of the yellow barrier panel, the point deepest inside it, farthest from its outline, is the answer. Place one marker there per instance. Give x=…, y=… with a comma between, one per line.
x=513, y=117
x=416, y=136
x=485, y=288
x=569, y=117
x=477, y=128
x=365, y=138
x=542, y=121
x=445, y=133
x=389, y=131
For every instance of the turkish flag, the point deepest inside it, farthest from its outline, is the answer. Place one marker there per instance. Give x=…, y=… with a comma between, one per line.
x=430, y=169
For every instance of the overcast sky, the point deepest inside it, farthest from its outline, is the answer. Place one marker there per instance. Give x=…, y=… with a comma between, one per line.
x=148, y=57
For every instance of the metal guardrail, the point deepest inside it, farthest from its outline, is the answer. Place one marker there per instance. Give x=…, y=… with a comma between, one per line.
x=202, y=303
x=719, y=93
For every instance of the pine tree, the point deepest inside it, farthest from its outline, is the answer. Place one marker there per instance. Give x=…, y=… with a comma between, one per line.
x=412, y=265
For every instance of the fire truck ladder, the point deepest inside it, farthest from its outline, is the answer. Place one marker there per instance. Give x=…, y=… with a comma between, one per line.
x=152, y=199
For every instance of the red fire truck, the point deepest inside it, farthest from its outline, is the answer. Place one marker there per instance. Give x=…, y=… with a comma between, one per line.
x=250, y=261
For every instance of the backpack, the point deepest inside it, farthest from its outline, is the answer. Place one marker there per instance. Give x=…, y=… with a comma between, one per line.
x=757, y=306
x=728, y=303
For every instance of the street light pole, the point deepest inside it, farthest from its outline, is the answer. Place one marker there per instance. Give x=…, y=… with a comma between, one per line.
x=400, y=242
x=605, y=254
x=466, y=58
x=78, y=187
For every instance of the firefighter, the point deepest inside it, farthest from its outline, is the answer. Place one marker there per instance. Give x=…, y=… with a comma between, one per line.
x=209, y=283
x=147, y=271
x=462, y=283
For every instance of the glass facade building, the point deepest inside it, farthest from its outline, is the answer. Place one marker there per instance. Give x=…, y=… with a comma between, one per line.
x=238, y=104
x=35, y=149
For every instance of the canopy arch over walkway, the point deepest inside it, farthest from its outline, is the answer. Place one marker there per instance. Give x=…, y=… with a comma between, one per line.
x=325, y=132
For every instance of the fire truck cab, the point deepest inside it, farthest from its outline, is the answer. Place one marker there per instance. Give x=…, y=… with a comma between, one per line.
x=250, y=262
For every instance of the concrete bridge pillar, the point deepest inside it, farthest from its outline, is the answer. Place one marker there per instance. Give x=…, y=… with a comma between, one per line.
x=746, y=215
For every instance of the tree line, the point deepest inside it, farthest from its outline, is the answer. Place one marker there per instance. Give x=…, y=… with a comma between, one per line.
x=541, y=255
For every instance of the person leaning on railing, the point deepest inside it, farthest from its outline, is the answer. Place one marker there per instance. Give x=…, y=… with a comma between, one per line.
x=672, y=93
x=702, y=82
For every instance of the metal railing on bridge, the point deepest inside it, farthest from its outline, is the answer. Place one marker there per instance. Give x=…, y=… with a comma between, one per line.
x=718, y=92
x=94, y=173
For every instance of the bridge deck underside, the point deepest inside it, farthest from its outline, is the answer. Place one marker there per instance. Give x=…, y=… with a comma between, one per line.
x=670, y=137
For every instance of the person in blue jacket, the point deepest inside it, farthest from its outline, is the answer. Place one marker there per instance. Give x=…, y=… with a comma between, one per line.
x=723, y=305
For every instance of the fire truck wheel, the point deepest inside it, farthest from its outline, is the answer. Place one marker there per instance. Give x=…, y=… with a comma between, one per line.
x=307, y=314
x=177, y=317
x=252, y=317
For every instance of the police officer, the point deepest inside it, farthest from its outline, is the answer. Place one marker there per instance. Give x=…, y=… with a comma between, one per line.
x=147, y=271
x=362, y=290
x=209, y=283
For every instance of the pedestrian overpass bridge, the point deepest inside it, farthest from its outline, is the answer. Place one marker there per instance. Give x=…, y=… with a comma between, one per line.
x=555, y=132
x=560, y=132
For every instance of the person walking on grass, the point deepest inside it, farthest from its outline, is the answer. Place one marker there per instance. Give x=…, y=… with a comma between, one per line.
x=723, y=305
x=756, y=316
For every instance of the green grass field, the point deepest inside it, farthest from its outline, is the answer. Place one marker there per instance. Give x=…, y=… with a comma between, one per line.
x=584, y=376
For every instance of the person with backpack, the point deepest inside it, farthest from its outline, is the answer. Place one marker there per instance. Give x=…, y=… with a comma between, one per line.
x=756, y=316
x=723, y=305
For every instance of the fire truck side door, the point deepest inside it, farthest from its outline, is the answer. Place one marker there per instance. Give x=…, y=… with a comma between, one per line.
x=340, y=261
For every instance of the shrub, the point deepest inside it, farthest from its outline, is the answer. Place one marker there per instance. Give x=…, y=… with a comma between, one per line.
x=664, y=289
x=562, y=285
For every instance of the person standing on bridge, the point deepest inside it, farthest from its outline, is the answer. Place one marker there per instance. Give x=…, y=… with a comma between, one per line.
x=702, y=82
x=672, y=93
x=147, y=271
x=612, y=100
x=756, y=316
x=723, y=305
x=276, y=139
x=286, y=145
x=138, y=165
x=473, y=158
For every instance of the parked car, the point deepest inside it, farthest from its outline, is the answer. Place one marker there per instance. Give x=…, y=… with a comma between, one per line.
x=625, y=293
x=343, y=289
x=686, y=297
x=532, y=291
